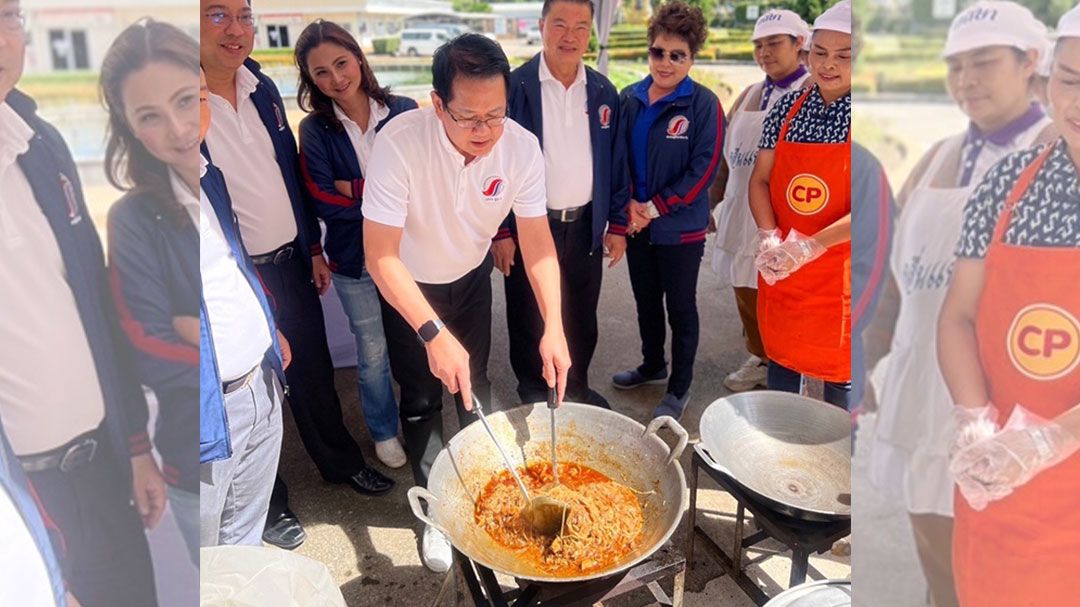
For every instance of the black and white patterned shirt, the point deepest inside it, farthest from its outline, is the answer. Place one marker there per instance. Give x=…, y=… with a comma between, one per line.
x=814, y=123
x=1048, y=215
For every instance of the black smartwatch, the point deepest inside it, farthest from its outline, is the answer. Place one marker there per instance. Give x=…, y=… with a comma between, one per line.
x=429, y=330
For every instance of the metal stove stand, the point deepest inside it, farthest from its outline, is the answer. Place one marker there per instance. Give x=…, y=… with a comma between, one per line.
x=803, y=538
x=664, y=563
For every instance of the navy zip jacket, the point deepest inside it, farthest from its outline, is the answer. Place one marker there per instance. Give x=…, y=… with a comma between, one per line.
x=327, y=155
x=271, y=110
x=214, y=443
x=18, y=489
x=51, y=172
x=610, y=192
x=154, y=269
x=675, y=148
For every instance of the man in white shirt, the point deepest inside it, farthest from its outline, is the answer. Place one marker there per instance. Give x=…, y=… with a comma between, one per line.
x=440, y=182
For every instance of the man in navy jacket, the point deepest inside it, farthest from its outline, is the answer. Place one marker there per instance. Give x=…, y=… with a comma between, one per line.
x=69, y=401
x=251, y=142
x=573, y=110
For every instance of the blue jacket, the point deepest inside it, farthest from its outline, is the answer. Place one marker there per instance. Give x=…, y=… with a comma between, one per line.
x=154, y=269
x=214, y=442
x=327, y=155
x=610, y=191
x=675, y=148
x=53, y=178
x=271, y=110
x=14, y=483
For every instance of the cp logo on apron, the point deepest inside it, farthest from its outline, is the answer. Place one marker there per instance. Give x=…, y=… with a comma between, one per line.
x=807, y=194
x=1044, y=341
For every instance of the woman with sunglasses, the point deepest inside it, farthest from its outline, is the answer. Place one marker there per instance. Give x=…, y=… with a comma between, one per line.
x=800, y=197
x=674, y=128
x=347, y=107
x=991, y=62
x=1009, y=349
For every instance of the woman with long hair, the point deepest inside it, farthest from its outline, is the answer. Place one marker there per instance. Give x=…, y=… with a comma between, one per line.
x=347, y=108
x=150, y=87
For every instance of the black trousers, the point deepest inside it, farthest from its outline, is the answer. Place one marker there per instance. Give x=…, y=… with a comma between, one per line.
x=666, y=275
x=465, y=307
x=312, y=398
x=581, y=271
x=105, y=554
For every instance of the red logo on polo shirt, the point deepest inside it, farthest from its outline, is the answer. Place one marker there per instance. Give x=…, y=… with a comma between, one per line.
x=677, y=127
x=605, y=116
x=74, y=216
x=493, y=188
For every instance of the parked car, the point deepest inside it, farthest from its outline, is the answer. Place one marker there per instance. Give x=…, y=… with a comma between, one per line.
x=422, y=42
x=532, y=36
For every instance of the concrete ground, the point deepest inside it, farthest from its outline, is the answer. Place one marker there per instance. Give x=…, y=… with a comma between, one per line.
x=370, y=544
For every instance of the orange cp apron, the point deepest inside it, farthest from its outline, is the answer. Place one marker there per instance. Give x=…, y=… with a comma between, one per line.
x=1024, y=550
x=806, y=318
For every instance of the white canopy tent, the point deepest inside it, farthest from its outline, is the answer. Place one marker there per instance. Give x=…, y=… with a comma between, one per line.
x=604, y=12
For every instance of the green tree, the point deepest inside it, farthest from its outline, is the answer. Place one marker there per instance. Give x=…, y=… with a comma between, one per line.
x=471, y=6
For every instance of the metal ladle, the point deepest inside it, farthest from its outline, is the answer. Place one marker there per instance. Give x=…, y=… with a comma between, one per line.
x=544, y=513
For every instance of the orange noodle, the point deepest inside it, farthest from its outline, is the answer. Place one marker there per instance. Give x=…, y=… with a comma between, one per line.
x=602, y=524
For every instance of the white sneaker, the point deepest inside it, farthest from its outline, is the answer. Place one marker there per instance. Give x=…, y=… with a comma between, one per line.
x=389, y=452
x=435, y=550
x=750, y=375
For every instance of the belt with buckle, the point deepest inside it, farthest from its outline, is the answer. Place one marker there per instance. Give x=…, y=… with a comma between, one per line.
x=77, y=453
x=276, y=257
x=232, y=386
x=567, y=215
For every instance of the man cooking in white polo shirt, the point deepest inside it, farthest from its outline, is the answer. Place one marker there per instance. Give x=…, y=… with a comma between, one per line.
x=440, y=182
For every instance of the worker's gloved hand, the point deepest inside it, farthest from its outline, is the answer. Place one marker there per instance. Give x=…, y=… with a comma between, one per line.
x=971, y=425
x=767, y=239
x=796, y=251
x=993, y=468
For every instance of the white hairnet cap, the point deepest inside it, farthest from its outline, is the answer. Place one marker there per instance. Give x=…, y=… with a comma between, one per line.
x=995, y=23
x=836, y=18
x=1069, y=24
x=780, y=21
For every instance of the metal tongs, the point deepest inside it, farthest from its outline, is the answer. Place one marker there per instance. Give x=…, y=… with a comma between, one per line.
x=544, y=513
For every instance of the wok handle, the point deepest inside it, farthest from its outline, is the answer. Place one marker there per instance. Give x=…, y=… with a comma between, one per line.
x=671, y=424
x=417, y=493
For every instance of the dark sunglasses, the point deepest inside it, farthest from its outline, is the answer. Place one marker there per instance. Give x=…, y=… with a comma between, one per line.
x=675, y=56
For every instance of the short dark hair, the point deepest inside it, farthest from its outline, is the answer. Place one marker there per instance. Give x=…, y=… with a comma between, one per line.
x=468, y=56
x=308, y=95
x=547, y=6
x=679, y=19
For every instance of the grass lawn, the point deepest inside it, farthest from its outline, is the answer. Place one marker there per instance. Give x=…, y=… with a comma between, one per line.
x=61, y=87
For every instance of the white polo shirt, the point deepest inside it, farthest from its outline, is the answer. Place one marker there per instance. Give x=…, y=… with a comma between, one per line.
x=567, y=144
x=241, y=335
x=449, y=211
x=363, y=141
x=49, y=389
x=243, y=150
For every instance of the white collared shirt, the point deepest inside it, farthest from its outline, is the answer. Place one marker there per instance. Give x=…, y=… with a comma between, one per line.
x=363, y=141
x=184, y=196
x=243, y=150
x=240, y=333
x=40, y=328
x=567, y=145
x=449, y=211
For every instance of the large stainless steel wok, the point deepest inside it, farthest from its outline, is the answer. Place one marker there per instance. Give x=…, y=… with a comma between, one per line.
x=792, y=452
x=606, y=441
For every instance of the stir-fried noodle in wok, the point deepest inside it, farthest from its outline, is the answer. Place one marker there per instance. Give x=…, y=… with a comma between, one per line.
x=602, y=523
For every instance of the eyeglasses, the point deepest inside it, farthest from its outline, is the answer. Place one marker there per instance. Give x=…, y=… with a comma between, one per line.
x=12, y=20
x=220, y=19
x=676, y=57
x=475, y=123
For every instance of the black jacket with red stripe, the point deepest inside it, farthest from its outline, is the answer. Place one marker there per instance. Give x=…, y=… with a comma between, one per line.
x=327, y=155
x=682, y=150
x=154, y=271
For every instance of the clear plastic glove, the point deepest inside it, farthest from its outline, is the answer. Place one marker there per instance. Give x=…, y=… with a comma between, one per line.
x=767, y=239
x=994, y=467
x=971, y=425
x=796, y=251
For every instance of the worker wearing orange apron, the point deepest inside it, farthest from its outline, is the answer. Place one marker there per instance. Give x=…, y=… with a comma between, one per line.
x=806, y=317
x=1013, y=303
x=1025, y=548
